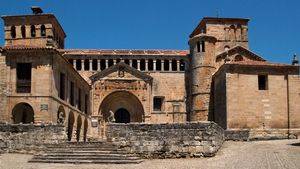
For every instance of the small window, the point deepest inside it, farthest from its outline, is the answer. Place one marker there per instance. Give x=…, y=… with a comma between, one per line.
x=134, y=63
x=238, y=58
x=62, y=86
x=158, y=64
x=24, y=77
x=78, y=64
x=142, y=64
x=166, y=65
x=94, y=64
x=150, y=65
x=102, y=64
x=202, y=46
x=86, y=64
x=157, y=103
x=174, y=65
x=72, y=93
x=43, y=30
x=182, y=65
x=262, y=82
x=198, y=47
x=13, y=32
x=23, y=31
x=32, y=31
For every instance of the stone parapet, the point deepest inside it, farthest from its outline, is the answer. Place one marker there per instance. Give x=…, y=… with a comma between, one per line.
x=168, y=140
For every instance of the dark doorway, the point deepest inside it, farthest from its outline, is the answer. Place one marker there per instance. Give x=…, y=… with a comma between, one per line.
x=122, y=116
x=23, y=113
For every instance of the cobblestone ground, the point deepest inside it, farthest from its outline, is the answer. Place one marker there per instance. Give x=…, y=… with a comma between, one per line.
x=278, y=154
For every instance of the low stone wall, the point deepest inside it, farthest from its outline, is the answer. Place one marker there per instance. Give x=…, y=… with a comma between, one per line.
x=167, y=140
x=29, y=138
x=261, y=134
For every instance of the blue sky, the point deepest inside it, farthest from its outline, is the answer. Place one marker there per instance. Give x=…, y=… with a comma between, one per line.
x=165, y=24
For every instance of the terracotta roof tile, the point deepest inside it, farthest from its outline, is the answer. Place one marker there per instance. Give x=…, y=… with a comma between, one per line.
x=123, y=52
x=256, y=63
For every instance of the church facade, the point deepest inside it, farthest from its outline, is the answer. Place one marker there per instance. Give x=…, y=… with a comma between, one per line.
x=219, y=79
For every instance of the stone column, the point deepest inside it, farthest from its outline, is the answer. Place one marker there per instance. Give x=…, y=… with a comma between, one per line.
x=146, y=64
x=130, y=62
x=154, y=65
x=170, y=65
x=82, y=64
x=91, y=64
x=138, y=65
x=178, y=65
x=115, y=61
x=162, y=63
x=74, y=63
x=98, y=65
x=106, y=63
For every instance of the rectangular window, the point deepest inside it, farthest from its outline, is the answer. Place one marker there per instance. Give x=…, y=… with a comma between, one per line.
x=262, y=82
x=157, y=103
x=24, y=77
x=202, y=46
x=72, y=93
x=198, y=47
x=62, y=86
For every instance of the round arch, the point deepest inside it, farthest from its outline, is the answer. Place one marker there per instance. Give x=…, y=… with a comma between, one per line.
x=78, y=129
x=70, y=125
x=122, y=100
x=23, y=113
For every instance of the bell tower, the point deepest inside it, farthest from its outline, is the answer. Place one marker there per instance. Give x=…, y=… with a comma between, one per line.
x=37, y=29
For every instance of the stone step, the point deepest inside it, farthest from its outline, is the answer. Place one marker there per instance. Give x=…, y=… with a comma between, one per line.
x=85, y=155
x=83, y=158
x=86, y=151
x=86, y=161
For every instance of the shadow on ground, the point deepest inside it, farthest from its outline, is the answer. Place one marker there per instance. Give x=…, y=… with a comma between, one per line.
x=295, y=144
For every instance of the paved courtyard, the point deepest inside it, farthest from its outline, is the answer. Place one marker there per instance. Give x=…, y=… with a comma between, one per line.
x=278, y=154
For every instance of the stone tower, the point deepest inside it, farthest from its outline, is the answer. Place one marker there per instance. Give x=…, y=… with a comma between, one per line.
x=211, y=37
x=37, y=29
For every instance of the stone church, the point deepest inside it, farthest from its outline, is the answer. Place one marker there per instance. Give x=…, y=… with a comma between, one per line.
x=218, y=79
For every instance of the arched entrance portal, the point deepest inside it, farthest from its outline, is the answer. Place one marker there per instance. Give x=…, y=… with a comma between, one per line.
x=23, y=113
x=125, y=106
x=122, y=116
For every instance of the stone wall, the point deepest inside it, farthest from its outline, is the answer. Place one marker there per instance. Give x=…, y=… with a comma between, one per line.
x=168, y=140
x=28, y=137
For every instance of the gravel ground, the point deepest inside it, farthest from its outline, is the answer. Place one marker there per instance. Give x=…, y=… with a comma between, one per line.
x=277, y=154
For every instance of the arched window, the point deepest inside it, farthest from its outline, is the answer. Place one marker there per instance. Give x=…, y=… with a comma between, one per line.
x=43, y=30
x=13, y=32
x=23, y=31
x=238, y=58
x=232, y=34
x=32, y=31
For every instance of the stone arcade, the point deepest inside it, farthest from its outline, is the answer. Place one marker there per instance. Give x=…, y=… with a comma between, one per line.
x=219, y=79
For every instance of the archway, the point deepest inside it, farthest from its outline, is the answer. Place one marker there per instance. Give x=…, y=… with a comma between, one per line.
x=122, y=116
x=78, y=129
x=23, y=113
x=70, y=126
x=122, y=103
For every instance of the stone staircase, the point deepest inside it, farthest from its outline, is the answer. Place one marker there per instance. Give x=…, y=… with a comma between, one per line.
x=82, y=153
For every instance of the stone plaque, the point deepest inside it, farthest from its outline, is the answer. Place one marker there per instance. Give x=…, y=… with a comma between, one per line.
x=44, y=107
x=94, y=123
